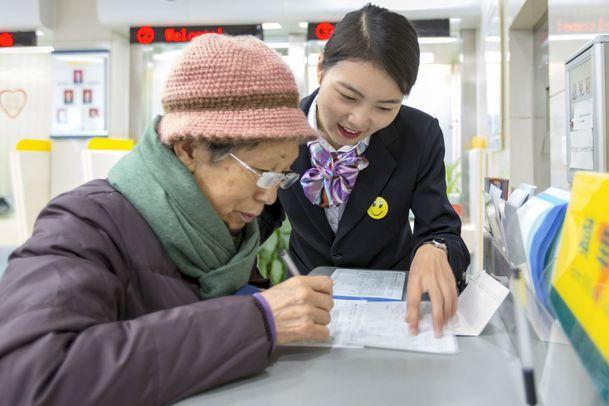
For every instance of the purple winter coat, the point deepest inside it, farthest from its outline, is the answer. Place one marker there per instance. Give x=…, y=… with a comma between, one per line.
x=93, y=311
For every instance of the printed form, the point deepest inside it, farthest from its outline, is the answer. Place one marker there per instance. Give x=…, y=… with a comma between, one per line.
x=381, y=324
x=359, y=324
x=368, y=285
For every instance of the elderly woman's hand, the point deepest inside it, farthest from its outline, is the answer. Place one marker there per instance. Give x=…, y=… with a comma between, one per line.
x=301, y=308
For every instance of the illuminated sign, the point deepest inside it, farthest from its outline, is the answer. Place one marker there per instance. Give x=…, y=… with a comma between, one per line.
x=322, y=31
x=591, y=25
x=432, y=28
x=179, y=34
x=17, y=39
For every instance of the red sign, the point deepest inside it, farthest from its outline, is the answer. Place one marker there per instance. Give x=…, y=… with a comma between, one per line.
x=320, y=31
x=184, y=35
x=591, y=25
x=144, y=35
x=18, y=38
x=147, y=34
x=6, y=39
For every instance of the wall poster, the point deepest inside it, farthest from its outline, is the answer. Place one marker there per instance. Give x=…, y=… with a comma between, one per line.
x=80, y=87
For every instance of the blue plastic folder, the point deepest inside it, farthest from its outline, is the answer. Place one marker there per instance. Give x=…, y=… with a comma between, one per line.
x=549, y=207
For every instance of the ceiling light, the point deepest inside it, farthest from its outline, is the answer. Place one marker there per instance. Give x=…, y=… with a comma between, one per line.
x=27, y=50
x=271, y=26
x=437, y=40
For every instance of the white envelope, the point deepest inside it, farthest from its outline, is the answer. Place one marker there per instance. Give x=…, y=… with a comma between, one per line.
x=477, y=304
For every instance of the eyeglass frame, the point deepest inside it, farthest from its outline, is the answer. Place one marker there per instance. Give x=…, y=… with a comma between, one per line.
x=283, y=177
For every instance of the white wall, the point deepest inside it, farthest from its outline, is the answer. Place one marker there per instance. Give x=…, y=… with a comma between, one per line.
x=433, y=93
x=75, y=27
x=78, y=28
x=521, y=107
x=469, y=112
x=491, y=91
x=527, y=98
x=28, y=72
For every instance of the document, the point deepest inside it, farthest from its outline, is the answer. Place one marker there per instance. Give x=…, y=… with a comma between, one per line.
x=477, y=304
x=582, y=139
x=518, y=197
x=361, y=284
x=345, y=316
x=582, y=159
x=583, y=115
x=359, y=324
x=383, y=325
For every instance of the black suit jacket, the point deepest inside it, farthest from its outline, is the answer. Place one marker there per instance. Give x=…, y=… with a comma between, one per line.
x=407, y=169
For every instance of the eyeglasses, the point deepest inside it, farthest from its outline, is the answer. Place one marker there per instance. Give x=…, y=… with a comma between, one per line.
x=269, y=179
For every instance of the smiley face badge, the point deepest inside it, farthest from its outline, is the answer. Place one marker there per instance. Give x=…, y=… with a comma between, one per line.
x=378, y=209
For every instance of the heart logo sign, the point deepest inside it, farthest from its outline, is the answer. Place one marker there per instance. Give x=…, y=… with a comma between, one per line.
x=12, y=102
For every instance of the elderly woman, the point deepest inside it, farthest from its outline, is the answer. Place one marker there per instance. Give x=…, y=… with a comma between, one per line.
x=124, y=293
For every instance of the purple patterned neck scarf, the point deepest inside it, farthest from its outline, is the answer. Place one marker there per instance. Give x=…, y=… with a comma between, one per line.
x=330, y=181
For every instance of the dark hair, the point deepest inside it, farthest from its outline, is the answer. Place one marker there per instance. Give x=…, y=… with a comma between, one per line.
x=380, y=36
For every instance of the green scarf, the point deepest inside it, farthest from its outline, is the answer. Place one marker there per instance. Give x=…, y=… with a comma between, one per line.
x=165, y=193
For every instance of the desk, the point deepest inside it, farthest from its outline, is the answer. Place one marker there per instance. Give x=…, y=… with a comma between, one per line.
x=485, y=372
x=317, y=376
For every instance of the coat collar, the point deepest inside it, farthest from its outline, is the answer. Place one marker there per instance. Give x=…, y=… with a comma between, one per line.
x=305, y=103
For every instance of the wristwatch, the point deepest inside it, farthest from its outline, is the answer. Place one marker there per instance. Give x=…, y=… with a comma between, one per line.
x=438, y=243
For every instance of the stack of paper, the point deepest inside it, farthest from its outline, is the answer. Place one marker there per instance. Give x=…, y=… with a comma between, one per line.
x=383, y=325
x=359, y=324
x=381, y=322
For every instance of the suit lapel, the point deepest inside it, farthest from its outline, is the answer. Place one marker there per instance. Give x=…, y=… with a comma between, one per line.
x=315, y=213
x=368, y=185
x=370, y=181
x=305, y=103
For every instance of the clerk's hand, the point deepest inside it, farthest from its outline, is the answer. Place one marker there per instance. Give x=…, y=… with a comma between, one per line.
x=430, y=272
x=301, y=308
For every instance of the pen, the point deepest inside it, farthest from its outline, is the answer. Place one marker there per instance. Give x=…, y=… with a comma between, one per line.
x=524, y=339
x=285, y=257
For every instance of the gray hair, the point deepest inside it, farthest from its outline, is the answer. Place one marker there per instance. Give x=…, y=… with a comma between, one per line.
x=220, y=150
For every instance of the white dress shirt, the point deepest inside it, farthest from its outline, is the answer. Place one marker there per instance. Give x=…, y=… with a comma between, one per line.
x=333, y=213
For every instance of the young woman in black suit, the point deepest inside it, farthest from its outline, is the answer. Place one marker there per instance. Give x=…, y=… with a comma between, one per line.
x=376, y=160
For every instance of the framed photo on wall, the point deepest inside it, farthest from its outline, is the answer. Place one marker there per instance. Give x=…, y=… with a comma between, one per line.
x=80, y=93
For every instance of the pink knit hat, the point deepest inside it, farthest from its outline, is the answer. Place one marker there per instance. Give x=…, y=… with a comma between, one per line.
x=233, y=89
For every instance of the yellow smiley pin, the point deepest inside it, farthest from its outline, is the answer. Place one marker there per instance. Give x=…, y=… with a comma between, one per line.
x=378, y=209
